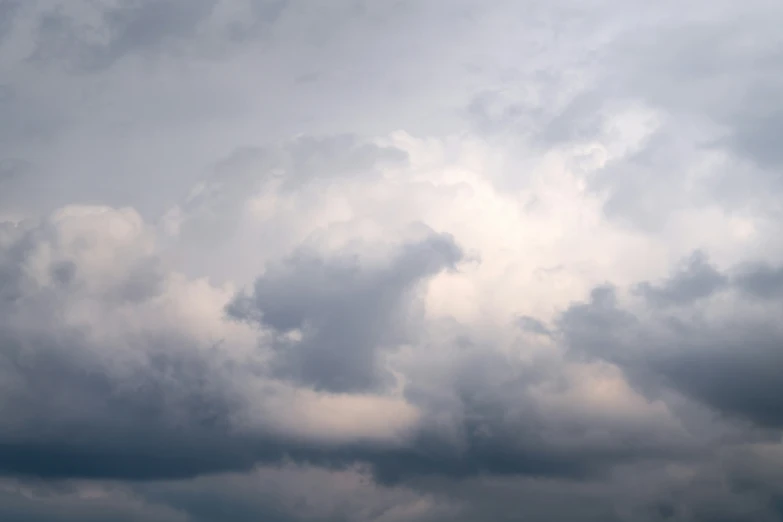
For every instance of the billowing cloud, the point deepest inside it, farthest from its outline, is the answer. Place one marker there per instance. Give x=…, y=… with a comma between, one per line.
x=342, y=314
x=697, y=279
x=112, y=363
x=390, y=261
x=723, y=352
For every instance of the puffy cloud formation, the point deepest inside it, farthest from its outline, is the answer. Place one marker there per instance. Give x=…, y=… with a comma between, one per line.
x=390, y=261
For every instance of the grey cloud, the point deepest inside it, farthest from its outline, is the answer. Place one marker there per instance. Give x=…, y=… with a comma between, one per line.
x=734, y=372
x=287, y=493
x=705, y=70
x=12, y=173
x=438, y=501
x=711, y=491
x=297, y=164
x=268, y=10
x=760, y=280
x=738, y=485
x=67, y=415
x=94, y=37
x=729, y=365
x=712, y=73
x=160, y=404
x=48, y=507
x=8, y=11
x=495, y=113
x=306, y=159
x=216, y=215
x=158, y=111
x=695, y=279
x=485, y=417
x=595, y=327
x=310, y=158
x=347, y=313
x=145, y=410
x=133, y=26
x=640, y=186
x=265, y=14
x=153, y=404
x=756, y=135
x=533, y=325
x=721, y=76
x=738, y=488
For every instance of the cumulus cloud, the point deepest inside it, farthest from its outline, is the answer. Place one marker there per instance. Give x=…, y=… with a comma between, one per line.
x=342, y=313
x=697, y=279
x=390, y=261
x=112, y=363
x=723, y=352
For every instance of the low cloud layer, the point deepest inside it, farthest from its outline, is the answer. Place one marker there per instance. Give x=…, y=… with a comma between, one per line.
x=390, y=261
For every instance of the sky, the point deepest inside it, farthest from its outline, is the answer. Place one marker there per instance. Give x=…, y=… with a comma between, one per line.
x=391, y=261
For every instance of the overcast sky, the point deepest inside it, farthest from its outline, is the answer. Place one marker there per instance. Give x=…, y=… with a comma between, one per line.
x=391, y=260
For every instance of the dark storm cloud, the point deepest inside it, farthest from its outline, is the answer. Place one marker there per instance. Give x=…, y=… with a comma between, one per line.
x=47, y=507
x=729, y=364
x=592, y=328
x=506, y=435
x=735, y=371
x=99, y=381
x=68, y=413
x=346, y=313
x=159, y=404
x=154, y=405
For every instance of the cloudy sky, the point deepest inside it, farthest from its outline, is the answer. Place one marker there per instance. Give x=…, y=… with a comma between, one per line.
x=391, y=260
